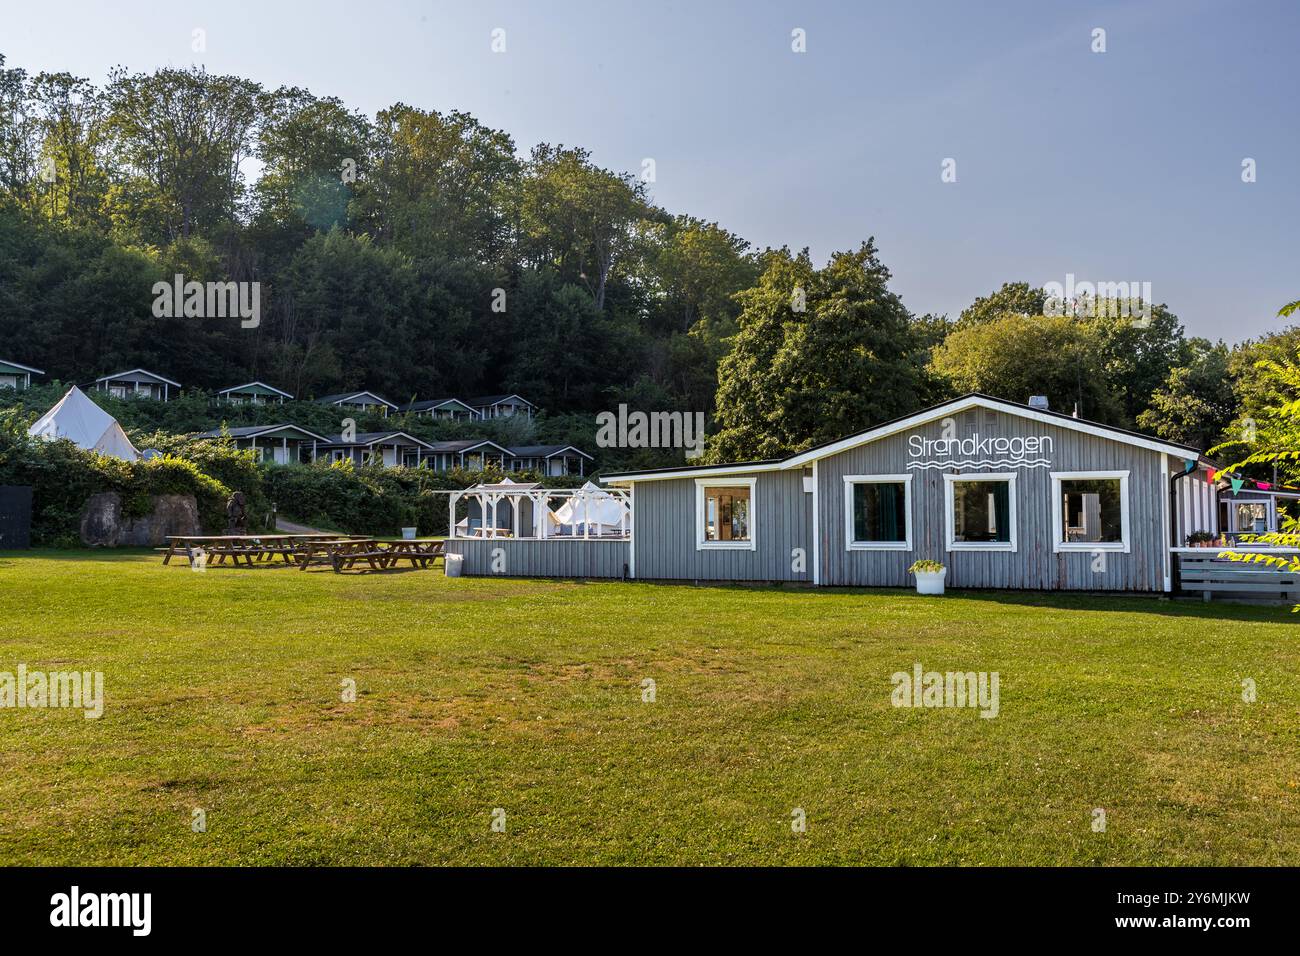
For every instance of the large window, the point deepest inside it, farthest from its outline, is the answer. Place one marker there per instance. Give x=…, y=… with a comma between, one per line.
x=981, y=512
x=878, y=512
x=724, y=513
x=1090, y=510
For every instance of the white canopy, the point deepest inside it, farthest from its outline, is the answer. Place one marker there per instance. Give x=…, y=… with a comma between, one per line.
x=595, y=506
x=88, y=426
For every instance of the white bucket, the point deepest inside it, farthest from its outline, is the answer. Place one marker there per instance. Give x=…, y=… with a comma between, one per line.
x=408, y=534
x=454, y=565
x=930, y=582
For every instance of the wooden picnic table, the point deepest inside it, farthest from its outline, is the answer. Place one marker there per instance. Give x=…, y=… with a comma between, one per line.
x=250, y=547
x=305, y=550
x=328, y=550
x=379, y=554
x=421, y=552
x=218, y=547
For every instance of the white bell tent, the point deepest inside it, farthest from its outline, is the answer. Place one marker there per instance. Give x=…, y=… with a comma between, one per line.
x=602, y=512
x=88, y=426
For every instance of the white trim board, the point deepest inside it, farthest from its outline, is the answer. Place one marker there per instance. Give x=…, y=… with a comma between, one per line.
x=142, y=371
x=955, y=407
x=1124, y=545
x=703, y=544
x=977, y=401
x=849, y=543
x=25, y=368
x=238, y=388
x=705, y=472
x=949, y=506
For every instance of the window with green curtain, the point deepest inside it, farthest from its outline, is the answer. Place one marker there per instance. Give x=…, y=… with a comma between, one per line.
x=879, y=511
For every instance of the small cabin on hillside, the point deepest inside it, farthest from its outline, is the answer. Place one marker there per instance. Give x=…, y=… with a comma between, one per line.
x=502, y=406
x=365, y=402
x=390, y=449
x=254, y=393
x=442, y=409
x=282, y=444
x=553, y=460
x=138, y=383
x=16, y=376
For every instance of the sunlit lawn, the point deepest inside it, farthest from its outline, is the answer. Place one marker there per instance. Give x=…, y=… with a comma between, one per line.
x=223, y=692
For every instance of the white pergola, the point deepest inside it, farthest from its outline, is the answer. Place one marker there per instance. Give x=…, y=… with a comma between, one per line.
x=585, y=503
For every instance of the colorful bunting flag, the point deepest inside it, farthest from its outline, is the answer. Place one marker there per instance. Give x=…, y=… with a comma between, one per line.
x=1236, y=484
x=1209, y=475
x=1188, y=464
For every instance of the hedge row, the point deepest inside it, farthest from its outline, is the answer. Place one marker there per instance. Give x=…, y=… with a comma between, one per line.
x=333, y=496
x=63, y=477
x=375, y=500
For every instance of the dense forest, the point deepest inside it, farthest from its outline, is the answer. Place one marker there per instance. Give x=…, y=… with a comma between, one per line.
x=422, y=254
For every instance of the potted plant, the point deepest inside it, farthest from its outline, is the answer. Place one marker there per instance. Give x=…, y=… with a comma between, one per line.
x=1200, y=539
x=929, y=576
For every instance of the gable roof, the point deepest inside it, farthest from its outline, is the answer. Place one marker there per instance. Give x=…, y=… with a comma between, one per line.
x=257, y=431
x=884, y=430
x=21, y=367
x=980, y=400
x=467, y=444
x=374, y=438
x=482, y=401
x=340, y=397
x=545, y=451
x=434, y=403
x=247, y=385
x=135, y=371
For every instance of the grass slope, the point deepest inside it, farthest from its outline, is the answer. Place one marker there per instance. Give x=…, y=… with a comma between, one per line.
x=223, y=693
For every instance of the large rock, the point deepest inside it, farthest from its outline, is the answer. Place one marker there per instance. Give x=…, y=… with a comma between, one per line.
x=103, y=524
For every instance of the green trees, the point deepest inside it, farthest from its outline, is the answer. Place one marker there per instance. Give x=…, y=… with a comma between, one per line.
x=180, y=137
x=1015, y=356
x=1107, y=362
x=1196, y=404
x=441, y=186
x=819, y=353
x=417, y=254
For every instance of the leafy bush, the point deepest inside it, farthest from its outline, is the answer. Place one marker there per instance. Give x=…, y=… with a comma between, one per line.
x=925, y=566
x=376, y=500
x=64, y=476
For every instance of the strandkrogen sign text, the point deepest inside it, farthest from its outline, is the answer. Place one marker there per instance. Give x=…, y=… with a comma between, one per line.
x=978, y=451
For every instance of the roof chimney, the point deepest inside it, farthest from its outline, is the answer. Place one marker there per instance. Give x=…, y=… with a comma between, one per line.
x=1039, y=402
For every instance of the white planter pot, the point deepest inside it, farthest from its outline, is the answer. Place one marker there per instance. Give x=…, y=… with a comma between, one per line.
x=408, y=534
x=454, y=565
x=930, y=582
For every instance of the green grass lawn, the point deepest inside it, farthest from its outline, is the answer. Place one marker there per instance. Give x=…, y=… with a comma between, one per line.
x=222, y=692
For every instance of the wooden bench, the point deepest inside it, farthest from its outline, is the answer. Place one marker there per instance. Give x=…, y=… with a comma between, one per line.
x=1211, y=575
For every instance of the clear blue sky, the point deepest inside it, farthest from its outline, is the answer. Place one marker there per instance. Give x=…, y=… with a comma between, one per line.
x=1121, y=166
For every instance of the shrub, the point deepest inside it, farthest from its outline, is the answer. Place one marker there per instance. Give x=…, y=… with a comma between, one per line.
x=376, y=500
x=63, y=477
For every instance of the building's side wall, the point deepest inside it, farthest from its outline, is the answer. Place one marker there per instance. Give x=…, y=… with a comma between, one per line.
x=664, y=537
x=1034, y=564
x=546, y=559
x=1198, y=504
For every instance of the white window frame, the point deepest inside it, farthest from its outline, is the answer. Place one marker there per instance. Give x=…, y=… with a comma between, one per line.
x=849, y=482
x=1125, y=543
x=950, y=506
x=726, y=481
